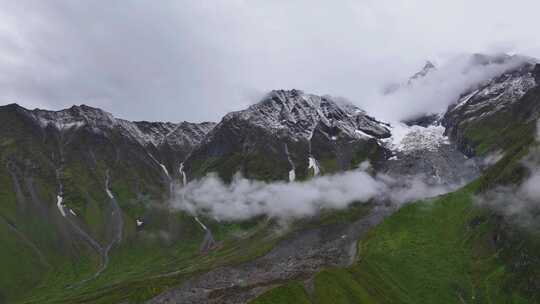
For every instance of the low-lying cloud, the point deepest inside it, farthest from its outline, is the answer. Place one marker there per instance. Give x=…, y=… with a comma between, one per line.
x=243, y=198
x=519, y=203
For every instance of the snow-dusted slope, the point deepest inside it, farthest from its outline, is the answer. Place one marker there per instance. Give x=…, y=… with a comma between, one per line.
x=297, y=114
x=495, y=94
x=74, y=118
x=145, y=133
x=494, y=104
x=188, y=134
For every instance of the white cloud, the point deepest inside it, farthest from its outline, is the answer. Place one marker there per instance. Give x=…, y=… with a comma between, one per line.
x=438, y=89
x=244, y=199
x=531, y=189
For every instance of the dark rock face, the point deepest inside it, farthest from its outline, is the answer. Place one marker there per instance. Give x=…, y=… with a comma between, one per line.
x=423, y=121
x=536, y=73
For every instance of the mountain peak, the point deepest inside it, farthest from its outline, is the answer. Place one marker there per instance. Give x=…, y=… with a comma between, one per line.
x=291, y=92
x=428, y=68
x=84, y=107
x=299, y=114
x=281, y=95
x=429, y=64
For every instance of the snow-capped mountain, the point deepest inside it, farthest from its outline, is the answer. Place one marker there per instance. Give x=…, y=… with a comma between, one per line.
x=290, y=128
x=298, y=115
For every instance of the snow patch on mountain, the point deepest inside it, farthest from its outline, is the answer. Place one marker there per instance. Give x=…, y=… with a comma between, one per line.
x=494, y=94
x=109, y=193
x=408, y=139
x=312, y=164
x=463, y=100
x=292, y=173
x=182, y=174
x=60, y=205
x=363, y=133
x=165, y=170
x=201, y=224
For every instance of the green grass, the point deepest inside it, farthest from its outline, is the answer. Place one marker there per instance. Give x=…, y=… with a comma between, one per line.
x=437, y=252
x=328, y=165
x=338, y=286
x=139, y=272
x=422, y=253
x=20, y=265
x=290, y=293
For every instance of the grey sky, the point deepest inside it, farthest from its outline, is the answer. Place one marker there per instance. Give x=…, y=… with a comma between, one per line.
x=196, y=60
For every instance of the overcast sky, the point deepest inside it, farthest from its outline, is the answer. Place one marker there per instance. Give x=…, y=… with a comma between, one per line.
x=196, y=60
